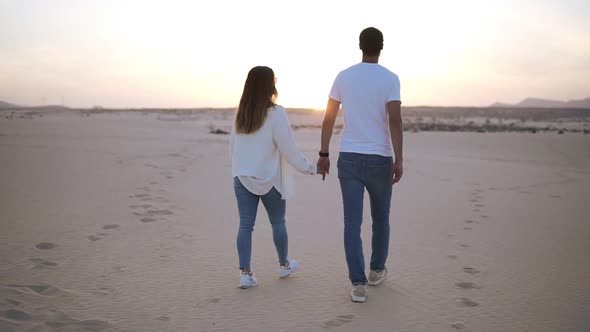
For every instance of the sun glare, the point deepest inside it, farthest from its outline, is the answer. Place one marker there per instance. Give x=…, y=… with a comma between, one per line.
x=183, y=54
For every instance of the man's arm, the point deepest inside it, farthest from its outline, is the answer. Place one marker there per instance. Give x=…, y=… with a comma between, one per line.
x=327, y=129
x=396, y=131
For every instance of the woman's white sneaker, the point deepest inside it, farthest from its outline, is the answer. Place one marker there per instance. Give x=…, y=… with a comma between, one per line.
x=248, y=280
x=285, y=271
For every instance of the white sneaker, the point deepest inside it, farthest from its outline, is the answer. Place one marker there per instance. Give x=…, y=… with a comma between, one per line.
x=285, y=271
x=375, y=278
x=359, y=293
x=248, y=280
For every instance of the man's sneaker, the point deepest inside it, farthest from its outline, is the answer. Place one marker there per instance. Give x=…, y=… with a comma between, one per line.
x=377, y=277
x=291, y=268
x=359, y=293
x=248, y=280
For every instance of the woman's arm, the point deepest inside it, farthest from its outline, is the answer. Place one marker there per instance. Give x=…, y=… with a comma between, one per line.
x=283, y=138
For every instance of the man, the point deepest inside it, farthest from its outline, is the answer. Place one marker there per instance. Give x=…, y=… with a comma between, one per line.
x=370, y=99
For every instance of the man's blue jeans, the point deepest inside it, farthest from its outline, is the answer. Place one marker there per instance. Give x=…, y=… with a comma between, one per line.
x=356, y=172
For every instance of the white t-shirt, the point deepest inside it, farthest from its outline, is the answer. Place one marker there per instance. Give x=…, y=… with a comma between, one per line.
x=364, y=91
x=260, y=159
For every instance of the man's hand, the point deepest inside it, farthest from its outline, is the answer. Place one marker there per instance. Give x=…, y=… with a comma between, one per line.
x=324, y=166
x=397, y=171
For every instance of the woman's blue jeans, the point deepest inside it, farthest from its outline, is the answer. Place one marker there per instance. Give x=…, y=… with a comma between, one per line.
x=247, y=208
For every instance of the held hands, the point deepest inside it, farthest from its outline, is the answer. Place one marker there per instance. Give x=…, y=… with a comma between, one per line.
x=324, y=166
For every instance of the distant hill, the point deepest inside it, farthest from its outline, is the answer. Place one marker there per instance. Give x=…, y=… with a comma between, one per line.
x=8, y=106
x=49, y=108
x=547, y=103
x=500, y=105
x=4, y=105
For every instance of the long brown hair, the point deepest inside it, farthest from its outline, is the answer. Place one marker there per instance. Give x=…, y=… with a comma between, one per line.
x=259, y=94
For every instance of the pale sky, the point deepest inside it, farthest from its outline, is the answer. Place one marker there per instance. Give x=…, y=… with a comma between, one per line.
x=123, y=53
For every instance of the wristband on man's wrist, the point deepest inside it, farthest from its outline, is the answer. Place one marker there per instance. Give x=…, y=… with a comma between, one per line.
x=324, y=154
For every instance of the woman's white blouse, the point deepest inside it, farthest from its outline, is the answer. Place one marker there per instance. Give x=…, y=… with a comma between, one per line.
x=260, y=159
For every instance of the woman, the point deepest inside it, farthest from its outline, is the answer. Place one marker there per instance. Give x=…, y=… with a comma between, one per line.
x=260, y=142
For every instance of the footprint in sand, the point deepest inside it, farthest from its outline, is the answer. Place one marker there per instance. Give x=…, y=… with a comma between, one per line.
x=143, y=206
x=159, y=212
x=470, y=270
x=466, y=303
x=119, y=268
x=110, y=226
x=37, y=289
x=183, y=236
x=338, y=321
x=467, y=285
x=94, y=238
x=56, y=325
x=13, y=302
x=41, y=263
x=45, y=245
x=17, y=315
x=105, y=291
x=459, y=325
x=93, y=325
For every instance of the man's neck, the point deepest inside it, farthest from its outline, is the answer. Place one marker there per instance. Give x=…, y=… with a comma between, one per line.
x=371, y=59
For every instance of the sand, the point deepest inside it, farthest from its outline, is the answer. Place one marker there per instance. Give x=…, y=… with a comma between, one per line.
x=127, y=222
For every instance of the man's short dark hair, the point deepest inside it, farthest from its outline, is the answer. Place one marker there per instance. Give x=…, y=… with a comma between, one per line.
x=371, y=41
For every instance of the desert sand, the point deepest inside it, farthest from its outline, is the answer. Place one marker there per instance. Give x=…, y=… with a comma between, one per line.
x=126, y=221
